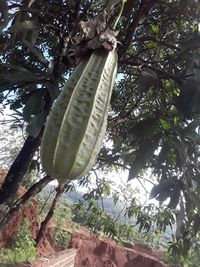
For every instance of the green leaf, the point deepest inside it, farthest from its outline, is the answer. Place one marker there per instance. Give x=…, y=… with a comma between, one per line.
x=154, y=28
x=53, y=90
x=170, y=188
x=25, y=25
x=144, y=128
x=180, y=222
x=196, y=224
x=33, y=105
x=165, y=125
x=106, y=189
x=35, y=51
x=181, y=152
x=146, y=80
x=36, y=124
x=174, y=197
x=143, y=155
x=14, y=76
x=151, y=45
x=162, y=157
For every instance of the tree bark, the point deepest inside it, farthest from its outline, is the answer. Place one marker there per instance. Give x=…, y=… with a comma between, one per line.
x=33, y=191
x=46, y=221
x=18, y=169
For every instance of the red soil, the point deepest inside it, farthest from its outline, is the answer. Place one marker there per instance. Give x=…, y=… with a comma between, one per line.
x=91, y=250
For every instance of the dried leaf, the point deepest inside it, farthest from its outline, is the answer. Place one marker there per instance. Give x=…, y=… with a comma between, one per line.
x=94, y=43
x=108, y=39
x=101, y=22
x=88, y=29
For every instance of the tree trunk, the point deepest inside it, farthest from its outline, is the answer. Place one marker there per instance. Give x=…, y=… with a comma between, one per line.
x=16, y=173
x=19, y=168
x=33, y=191
x=46, y=221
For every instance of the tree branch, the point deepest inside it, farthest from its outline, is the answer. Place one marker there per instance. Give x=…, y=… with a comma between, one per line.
x=144, y=8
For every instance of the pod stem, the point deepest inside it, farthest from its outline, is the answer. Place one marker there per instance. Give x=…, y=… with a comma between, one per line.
x=120, y=14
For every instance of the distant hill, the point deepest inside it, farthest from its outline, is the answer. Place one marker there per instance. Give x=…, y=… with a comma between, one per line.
x=68, y=198
x=112, y=209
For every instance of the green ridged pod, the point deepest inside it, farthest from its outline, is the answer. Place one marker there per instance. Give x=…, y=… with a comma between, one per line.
x=76, y=125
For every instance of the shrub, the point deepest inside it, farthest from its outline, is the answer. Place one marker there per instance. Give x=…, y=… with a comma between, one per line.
x=61, y=238
x=23, y=248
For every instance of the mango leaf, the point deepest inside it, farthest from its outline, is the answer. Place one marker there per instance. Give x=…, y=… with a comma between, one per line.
x=106, y=189
x=165, y=125
x=180, y=222
x=195, y=198
x=146, y=80
x=196, y=224
x=174, y=197
x=143, y=155
x=144, y=127
x=181, y=152
x=187, y=103
x=33, y=49
x=33, y=105
x=19, y=27
x=162, y=155
x=36, y=124
x=194, y=136
x=53, y=90
x=154, y=28
x=151, y=45
x=170, y=188
x=12, y=75
x=25, y=29
x=30, y=37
